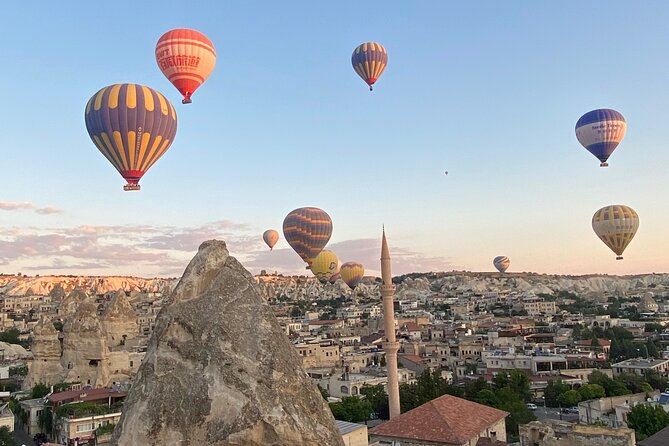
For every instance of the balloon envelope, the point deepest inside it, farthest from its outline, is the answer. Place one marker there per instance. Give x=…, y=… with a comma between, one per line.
x=501, y=263
x=600, y=131
x=307, y=230
x=132, y=125
x=186, y=57
x=270, y=237
x=616, y=226
x=369, y=60
x=352, y=273
x=325, y=265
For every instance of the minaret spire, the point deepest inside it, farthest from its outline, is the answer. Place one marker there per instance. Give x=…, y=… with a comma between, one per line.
x=390, y=345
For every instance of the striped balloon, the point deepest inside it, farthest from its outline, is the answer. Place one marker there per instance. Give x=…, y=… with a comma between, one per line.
x=307, y=230
x=600, y=131
x=501, y=263
x=187, y=58
x=352, y=273
x=369, y=60
x=132, y=125
x=270, y=237
x=616, y=226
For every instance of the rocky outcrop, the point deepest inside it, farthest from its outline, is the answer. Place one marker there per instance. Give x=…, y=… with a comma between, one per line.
x=45, y=366
x=219, y=371
x=119, y=320
x=71, y=302
x=85, y=352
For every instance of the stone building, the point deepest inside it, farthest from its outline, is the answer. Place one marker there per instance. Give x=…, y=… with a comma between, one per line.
x=561, y=433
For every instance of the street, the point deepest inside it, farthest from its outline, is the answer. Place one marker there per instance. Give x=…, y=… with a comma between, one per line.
x=553, y=413
x=22, y=438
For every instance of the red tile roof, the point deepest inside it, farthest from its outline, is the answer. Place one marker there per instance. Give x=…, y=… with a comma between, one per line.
x=447, y=419
x=411, y=326
x=413, y=358
x=601, y=342
x=85, y=395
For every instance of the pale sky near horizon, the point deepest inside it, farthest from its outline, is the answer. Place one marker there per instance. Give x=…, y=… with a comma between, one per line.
x=488, y=91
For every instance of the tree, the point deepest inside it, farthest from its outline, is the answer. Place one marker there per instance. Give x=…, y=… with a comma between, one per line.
x=6, y=437
x=611, y=386
x=635, y=383
x=647, y=420
x=39, y=390
x=516, y=380
x=378, y=398
x=45, y=420
x=324, y=393
x=591, y=392
x=472, y=389
x=518, y=411
x=427, y=387
x=570, y=398
x=554, y=389
x=656, y=381
x=653, y=327
x=351, y=409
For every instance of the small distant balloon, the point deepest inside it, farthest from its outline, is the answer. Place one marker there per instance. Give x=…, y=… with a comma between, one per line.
x=616, y=226
x=446, y=172
x=352, y=273
x=270, y=237
x=501, y=263
x=600, y=131
x=369, y=60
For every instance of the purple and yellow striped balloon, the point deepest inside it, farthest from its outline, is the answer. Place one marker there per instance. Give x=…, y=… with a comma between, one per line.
x=369, y=60
x=307, y=230
x=132, y=126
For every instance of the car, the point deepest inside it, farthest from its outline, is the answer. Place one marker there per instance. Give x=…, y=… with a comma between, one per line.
x=532, y=406
x=570, y=410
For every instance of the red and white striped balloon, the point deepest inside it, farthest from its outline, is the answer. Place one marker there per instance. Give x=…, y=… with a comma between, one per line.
x=187, y=58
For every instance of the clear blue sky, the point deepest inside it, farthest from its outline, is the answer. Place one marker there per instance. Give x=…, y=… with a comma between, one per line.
x=489, y=91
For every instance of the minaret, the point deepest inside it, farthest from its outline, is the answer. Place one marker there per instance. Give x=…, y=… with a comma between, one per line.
x=390, y=345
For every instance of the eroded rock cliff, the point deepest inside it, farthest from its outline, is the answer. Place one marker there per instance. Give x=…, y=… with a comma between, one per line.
x=219, y=371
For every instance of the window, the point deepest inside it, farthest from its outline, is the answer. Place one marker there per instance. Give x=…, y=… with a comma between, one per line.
x=130, y=363
x=86, y=427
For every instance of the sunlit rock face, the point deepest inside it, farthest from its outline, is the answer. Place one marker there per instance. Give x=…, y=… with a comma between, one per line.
x=85, y=351
x=45, y=366
x=219, y=370
x=119, y=320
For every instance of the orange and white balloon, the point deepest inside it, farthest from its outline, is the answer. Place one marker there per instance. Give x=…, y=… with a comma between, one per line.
x=186, y=57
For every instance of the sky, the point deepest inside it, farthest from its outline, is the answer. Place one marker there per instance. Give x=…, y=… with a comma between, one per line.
x=488, y=91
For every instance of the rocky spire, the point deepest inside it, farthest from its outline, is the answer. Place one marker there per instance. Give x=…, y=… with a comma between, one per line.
x=219, y=371
x=119, y=320
x=71, y=302
x=45, y=366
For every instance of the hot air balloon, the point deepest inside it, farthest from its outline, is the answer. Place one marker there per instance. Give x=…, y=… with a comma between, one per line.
x=307, y=230
x=325, y=265
x=600, y=131
x=132, y=125
x=352, y=273
x=501, y=263
x=271, y=237
x=369, y=60
x=616, y=226
x=186, y=57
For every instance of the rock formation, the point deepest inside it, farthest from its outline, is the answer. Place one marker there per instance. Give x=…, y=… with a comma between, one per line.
x=45, y=366
x=85, y=352
x=219, y=371
x=71, y=302
x=119, y=320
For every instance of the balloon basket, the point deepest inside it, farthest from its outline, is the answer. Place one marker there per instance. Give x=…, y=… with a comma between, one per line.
x=619, y=258
x=604, y=165
x=132, y=187
x=187, y=101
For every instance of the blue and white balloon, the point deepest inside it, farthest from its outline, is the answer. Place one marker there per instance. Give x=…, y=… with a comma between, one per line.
x=600, y=131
